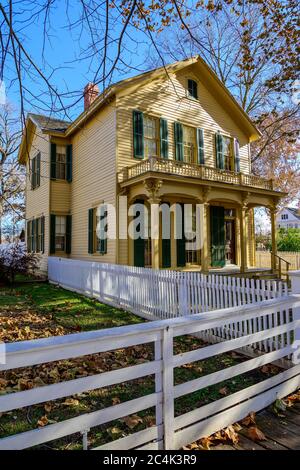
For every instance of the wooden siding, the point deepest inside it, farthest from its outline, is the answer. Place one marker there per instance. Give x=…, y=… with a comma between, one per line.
x=37, y=200
x=168, y=99
x=94, y=179
x=60, y=197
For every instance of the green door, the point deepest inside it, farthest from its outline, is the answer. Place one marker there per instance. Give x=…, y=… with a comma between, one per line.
x=139, y=243
x=181, y=244
x=217, y=231
x=165, y=242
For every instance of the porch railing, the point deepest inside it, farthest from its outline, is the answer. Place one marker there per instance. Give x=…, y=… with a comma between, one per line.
x=193, y=170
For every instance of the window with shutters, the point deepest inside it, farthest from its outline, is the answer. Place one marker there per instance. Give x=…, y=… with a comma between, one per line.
x=35, y=171
x=61, y=157
x=192, y=89
x=101, y=229
x=151, y=137
x=60, y=233
x=228, y=153
x=38, y=234
x=189, y=144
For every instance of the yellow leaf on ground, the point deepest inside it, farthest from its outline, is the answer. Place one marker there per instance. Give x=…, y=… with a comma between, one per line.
x=71, y=402
x=255, y=434
x=132, y=421
x=43, y=421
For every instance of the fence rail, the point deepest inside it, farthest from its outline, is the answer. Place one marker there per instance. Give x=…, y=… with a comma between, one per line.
x=263, y=258
x=160, y=294
x=169, y=431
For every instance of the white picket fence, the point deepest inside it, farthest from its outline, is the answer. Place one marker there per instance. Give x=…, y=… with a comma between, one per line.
x=169, y=431
x=160, y=294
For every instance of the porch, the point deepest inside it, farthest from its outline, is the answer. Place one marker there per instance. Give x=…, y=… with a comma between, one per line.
x=222, y=201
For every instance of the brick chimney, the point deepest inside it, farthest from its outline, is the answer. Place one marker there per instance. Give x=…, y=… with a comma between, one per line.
x=90, y=93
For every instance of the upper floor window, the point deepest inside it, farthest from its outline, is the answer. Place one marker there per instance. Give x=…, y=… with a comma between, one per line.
x=150, y=136
x=189, y=144
x=284, y=216
x=61, y=162
x=192, y=89
x=35, y=171
x=227, y=157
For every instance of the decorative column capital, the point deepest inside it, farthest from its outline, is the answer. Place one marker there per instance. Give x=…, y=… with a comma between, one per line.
x=205, y=195
x=245, y=201
x=152, y=187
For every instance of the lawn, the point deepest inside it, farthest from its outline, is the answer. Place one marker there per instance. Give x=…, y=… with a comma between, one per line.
x=35, y=310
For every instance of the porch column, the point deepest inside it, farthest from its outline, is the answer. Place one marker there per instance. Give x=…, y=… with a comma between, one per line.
x=154, y=208
x=243, y=236
x=205, y=238
x=173, y=240
x=273, y=210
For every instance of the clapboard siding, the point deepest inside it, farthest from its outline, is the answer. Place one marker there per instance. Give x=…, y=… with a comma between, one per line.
x=167, y=98
x=94, y=179
x=60, y=197
x=37, y=200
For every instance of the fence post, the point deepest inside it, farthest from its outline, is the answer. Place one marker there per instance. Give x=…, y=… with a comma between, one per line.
x=183, y=294
x=295, y=287
x=168, y=388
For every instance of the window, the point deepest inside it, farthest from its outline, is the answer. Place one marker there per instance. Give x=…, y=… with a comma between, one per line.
x=151, y=141
x=101, y=229
x=60, y=233
x=228, y=153
x=60, y=162
x=189, y=144
x=192, y=89
x=35, y=235
x=35, y=171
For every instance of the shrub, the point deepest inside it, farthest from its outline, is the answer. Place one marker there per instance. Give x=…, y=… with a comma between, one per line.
x=288, y=239
x=14, y=259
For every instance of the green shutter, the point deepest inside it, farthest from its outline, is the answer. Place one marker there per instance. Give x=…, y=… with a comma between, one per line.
x=42, y=234
x=165, y=243
x=200, y=145
x=53, y=161
x=52, y=234
x=38, y=170
x=69, y=163
x=37, y=223
x=217, y=231
x=178, y=136
x=68, y=233
x=103, y=231
x=138, y=134
x=164, y=145
x=33, y=173
x=33, y=239
x=91, y=231
x=180, y=243
x=220, y=161
x=237, y=164
x=29, y=249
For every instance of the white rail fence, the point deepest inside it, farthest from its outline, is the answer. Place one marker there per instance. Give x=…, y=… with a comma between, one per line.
x=160, y=294
x=170, y=431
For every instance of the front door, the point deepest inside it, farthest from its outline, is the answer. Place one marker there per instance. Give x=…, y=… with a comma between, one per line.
x=141, y=246
x=217, y=230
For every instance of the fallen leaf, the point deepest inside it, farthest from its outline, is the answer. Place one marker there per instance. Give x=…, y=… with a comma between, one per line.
x=116, y=400
x=255, y=434
x=250, y=419
x=223, y=391
x=71, y=402
x=132, y=421
x=43, y=421
x=48, y=407
x=231, y=434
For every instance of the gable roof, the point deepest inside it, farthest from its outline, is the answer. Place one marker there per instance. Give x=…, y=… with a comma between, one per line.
x=46, y=123
x=217, y=88
x=293, y=210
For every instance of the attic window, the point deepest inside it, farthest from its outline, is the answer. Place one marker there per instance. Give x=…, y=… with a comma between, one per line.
x=192, y=89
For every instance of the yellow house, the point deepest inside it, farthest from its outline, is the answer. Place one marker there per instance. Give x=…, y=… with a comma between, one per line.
x=171, y=135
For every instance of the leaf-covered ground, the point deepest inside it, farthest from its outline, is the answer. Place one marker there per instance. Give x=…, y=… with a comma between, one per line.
x=38, y=310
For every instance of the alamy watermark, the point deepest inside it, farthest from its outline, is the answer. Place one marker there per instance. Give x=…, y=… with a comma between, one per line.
x=151, y=221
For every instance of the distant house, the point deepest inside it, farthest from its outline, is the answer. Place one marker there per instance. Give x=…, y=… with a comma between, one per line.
x=288, y=217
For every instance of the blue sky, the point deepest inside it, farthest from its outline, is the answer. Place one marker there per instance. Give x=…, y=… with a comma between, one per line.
x=63, y=50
